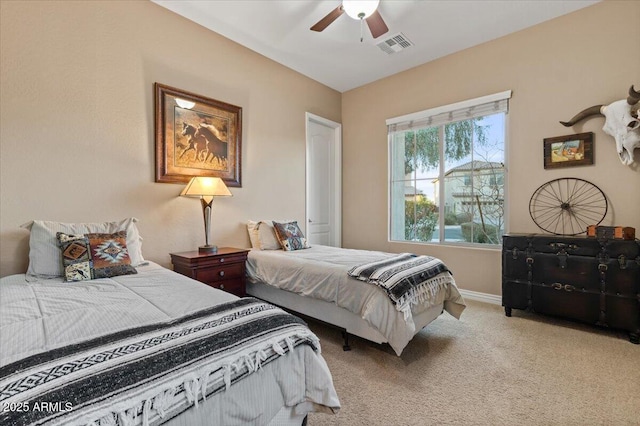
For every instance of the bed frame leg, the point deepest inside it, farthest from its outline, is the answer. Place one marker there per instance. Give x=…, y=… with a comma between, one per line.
x=346, y=346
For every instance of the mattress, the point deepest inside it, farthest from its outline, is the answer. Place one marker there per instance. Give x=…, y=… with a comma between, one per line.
x=37, y=317
x=320, y=272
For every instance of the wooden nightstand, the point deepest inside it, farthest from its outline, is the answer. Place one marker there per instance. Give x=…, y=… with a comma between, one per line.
x=224, y=270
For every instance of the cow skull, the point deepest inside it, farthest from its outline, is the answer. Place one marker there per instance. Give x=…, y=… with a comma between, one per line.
x=621, y=122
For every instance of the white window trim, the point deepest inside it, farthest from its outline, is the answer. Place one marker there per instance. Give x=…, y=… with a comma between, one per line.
x=451, y=107
x=420, y=115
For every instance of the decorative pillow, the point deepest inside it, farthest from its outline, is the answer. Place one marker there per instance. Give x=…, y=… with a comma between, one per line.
x=263, y=235
x=45, y=259
x=290, y=236
x=90, y=256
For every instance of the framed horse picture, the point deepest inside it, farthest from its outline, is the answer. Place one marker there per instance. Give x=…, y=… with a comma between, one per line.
x=196, y=136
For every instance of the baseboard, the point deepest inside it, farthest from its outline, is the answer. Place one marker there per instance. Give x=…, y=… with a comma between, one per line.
x=481, y=297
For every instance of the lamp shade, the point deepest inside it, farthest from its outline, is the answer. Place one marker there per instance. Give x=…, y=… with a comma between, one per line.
x=360, y=9
x=206, y=187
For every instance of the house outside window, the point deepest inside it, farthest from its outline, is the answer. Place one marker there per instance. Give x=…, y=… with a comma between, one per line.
x=447, y=173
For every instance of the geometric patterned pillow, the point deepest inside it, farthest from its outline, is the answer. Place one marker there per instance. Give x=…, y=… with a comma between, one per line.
x=92, y=256
x=290, y=236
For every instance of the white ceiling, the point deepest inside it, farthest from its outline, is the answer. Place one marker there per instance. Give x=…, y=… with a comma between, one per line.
x=279, y=29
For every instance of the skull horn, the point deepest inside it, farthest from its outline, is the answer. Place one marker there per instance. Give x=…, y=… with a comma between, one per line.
x=594, y=110
x=634, y=96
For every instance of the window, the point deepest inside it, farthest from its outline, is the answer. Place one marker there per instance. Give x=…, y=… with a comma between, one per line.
x=447, y=173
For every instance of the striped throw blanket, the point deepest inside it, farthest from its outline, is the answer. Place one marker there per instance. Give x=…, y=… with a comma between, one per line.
x=406, y=278
x=149, y=374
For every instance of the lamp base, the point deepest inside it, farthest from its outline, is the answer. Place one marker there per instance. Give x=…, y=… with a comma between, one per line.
x=207, y=249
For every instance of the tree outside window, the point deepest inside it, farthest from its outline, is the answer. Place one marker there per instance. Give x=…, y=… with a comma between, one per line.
x=453, y=191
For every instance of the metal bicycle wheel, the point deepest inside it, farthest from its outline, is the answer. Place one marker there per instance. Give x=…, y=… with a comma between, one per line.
x=566, y=206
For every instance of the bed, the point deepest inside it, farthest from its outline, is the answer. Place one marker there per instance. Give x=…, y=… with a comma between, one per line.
x=149, y=347
x=314, y=281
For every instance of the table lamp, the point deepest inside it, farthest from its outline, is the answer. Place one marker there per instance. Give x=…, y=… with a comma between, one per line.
x=206, y=188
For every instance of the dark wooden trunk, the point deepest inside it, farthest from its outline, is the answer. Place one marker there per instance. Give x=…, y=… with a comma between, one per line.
x=591, y=280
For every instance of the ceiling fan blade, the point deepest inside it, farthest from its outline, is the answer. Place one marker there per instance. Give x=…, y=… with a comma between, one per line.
x=324, y=22
x=376, y=24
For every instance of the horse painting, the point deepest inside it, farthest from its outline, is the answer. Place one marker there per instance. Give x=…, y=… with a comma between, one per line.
x=205, y=144
x=217, y=148
x=196, y=143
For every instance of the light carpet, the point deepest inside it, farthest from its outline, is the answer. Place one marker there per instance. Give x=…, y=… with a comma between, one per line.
x=487, y=369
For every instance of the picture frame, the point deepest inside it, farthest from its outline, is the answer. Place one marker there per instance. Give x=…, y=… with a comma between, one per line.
x=196, y=136
x=568, y=150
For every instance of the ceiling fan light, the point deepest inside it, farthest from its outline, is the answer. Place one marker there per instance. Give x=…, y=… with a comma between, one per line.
x=360, y=9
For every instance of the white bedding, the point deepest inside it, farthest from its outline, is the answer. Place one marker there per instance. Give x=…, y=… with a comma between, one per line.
x=320, y=272
x=38, y=316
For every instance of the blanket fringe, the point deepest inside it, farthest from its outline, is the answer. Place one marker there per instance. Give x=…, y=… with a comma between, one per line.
x=145, y=412
x=390, y=272
x=128, y=417
x=260, y=356
x=195, y=387
x=162, y=402
x=277, y=348
x=227, y=375
x=108, y=420
x=424, y=292
x=204, y=381
x=191, y=390
x=289, y=343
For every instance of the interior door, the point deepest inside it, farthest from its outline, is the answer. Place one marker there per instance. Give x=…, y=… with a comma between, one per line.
x=324, y=181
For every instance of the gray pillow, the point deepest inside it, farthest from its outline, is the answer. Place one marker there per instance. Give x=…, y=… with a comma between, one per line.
x=45, y=259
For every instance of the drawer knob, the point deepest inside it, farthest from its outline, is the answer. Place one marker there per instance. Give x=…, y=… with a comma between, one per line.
x=221, y=273
x=221, y=287
x=222, y=260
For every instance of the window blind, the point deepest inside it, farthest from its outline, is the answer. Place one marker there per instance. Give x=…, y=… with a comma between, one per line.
x=473, y=108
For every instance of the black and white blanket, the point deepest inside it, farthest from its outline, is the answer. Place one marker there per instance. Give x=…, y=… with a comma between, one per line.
x=149, y=374
x=407, y=279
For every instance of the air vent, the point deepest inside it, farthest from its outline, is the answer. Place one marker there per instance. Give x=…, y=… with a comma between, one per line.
x=394, y=44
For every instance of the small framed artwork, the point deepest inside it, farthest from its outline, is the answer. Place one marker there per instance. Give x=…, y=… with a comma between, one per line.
x=568, y=151
x=196, y=136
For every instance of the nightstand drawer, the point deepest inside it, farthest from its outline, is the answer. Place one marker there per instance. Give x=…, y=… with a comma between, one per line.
x=230, y=286
x=225, y=259
x=219, y=273
x=223, y=270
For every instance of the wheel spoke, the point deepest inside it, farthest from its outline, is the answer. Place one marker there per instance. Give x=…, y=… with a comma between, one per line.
x=556, y=194
x=575, y=192
x=550, y=199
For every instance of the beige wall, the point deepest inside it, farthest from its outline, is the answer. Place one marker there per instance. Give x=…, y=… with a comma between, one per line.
x=77, y=140
x=77, y=143
x=555, y=70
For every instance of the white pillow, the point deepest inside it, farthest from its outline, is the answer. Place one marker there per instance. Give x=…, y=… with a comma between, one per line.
x=252, y=228
x=262, y=234
x=45, y=259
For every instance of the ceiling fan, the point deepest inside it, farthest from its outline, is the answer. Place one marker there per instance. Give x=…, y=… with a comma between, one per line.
x=362, y=10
